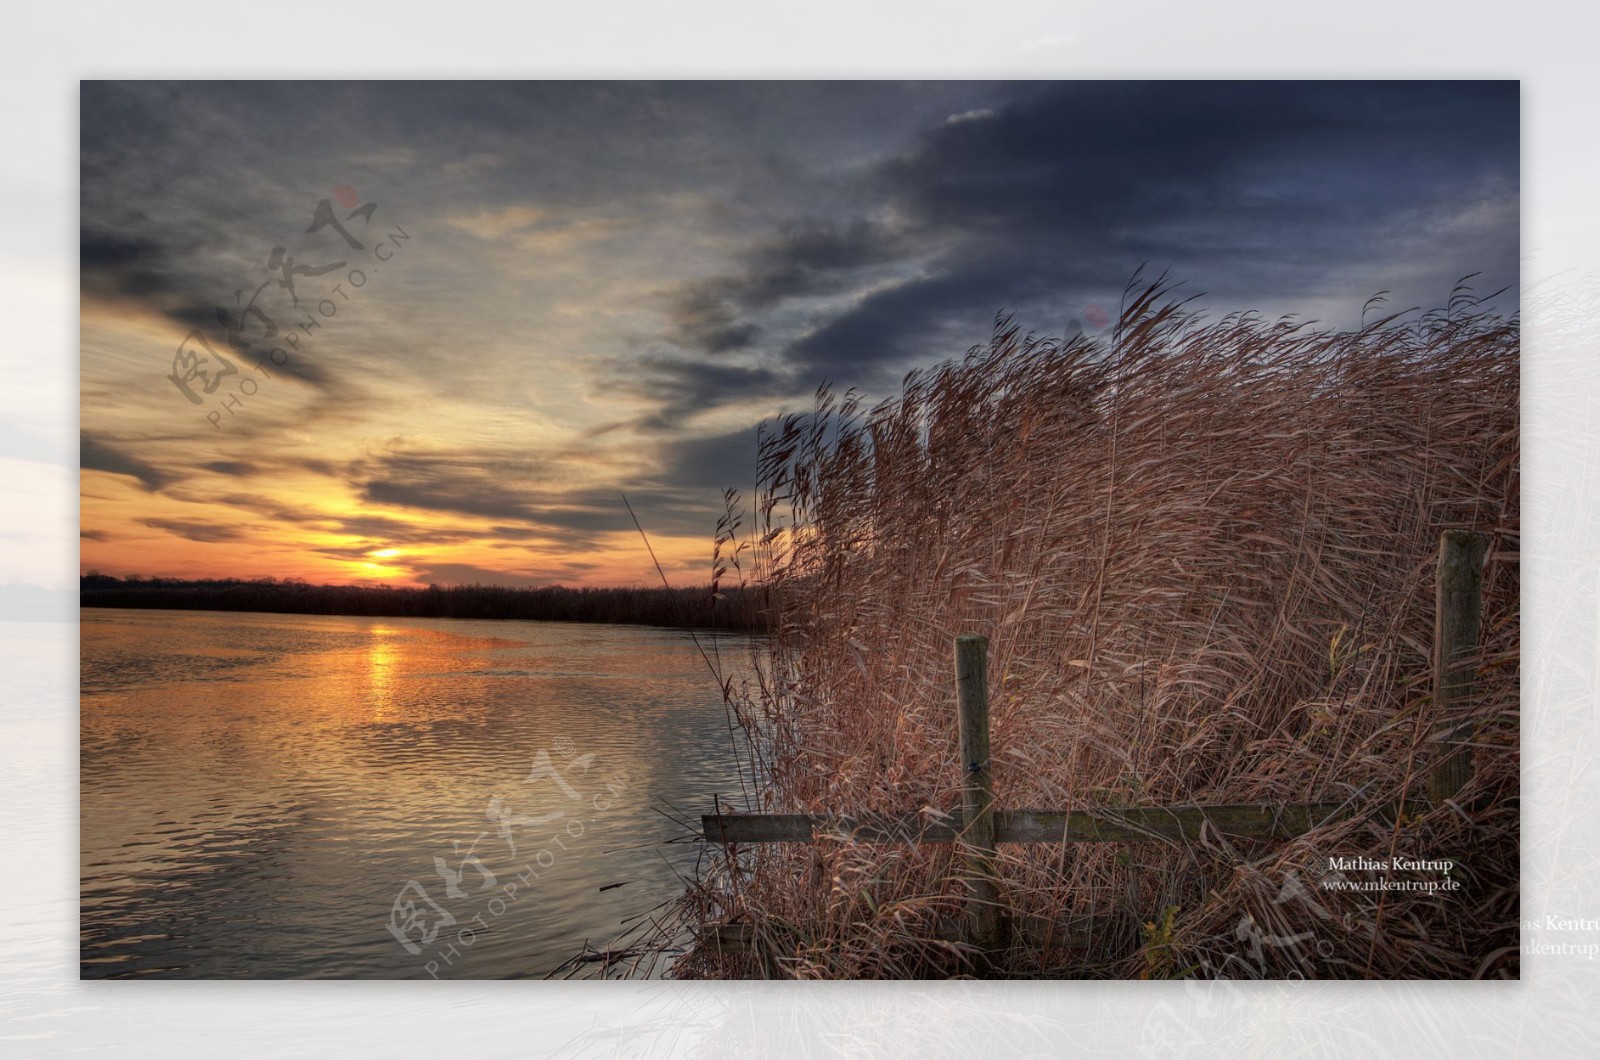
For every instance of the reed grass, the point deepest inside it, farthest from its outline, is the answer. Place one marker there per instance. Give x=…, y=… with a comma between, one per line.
x=1203, y=552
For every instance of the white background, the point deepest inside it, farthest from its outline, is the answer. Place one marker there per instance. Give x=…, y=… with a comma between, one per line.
x=1551, y=47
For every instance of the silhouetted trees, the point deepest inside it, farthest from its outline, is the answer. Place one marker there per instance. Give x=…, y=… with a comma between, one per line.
x=732, y=608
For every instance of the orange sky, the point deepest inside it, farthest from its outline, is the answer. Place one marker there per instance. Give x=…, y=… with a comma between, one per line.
x=287, y=490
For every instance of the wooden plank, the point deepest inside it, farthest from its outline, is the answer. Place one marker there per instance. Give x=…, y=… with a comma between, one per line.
x=1458, y=616
x=758, y=827
x=806, y=828
x=1122, y=824
x=977, y=793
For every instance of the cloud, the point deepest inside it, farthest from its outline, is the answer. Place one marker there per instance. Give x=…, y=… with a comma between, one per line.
x=502, y=488
x=867, y=342
x=98, y=454
x=683, y=389
x=494, y=224
x=515, y=533
x=804, y=259
x=397, y=531
x=712, y=463
x=706, y=321
x=264, y=342
x=112, y=263
x=677, y=492
x=467, y=574
x=269, y=507
x=344, y=552
x=1260, y=194
x=233, y=468
x=195, y=531
x=471, y=165
x=473, y=498
x=970, y=115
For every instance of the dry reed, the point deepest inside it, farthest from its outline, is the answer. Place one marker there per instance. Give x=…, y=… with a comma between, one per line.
x=1203, y=553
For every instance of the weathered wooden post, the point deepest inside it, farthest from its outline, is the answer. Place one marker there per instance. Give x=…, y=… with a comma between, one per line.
x=985, y=923
x=1458, y=616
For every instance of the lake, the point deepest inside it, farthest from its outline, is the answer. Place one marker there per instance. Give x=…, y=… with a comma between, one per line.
x=292, y=796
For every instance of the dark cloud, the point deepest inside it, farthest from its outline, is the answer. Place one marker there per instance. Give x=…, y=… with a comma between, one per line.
x=260, y=505
x=1260, y=194
x=350, y=552
x=376, y=528
x=526, y=500
x=503, y=488
x=195, y=531
x=179, y=283
x=94, y=535
x=111, y=264
x=684, y=389
x=235, y=468
x=1089, y=159
x=253, y=343
x=461, y=498
x=865, y=344
x=396, y=531
x=107, y=250
x=98, y=454
x=805, y=259
x=712, y=463
x=515, y=533
x=706, y=321
x=466, y=574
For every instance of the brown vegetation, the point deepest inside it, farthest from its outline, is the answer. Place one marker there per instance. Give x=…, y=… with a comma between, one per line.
x=1204, y=555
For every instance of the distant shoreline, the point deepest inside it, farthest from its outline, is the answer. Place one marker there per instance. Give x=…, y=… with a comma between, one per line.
x=687, y=608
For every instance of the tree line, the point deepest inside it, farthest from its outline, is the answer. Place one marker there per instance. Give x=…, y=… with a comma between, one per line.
x=732, y=608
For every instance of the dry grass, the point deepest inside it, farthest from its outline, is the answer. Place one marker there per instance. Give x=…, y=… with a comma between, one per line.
x=1204, y=556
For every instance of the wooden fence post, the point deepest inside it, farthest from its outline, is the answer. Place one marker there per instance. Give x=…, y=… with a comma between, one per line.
x=977, y=794
x=1458, y=616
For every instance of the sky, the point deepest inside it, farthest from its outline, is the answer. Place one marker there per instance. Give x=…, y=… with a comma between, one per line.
x=434, y=332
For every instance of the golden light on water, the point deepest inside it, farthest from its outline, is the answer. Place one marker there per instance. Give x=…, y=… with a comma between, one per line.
x=383, y=654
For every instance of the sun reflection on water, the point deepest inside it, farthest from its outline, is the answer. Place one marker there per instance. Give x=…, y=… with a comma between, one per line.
x=383, y=656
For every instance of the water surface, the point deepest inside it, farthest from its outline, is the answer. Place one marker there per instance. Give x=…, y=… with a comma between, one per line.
x=267, y=795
